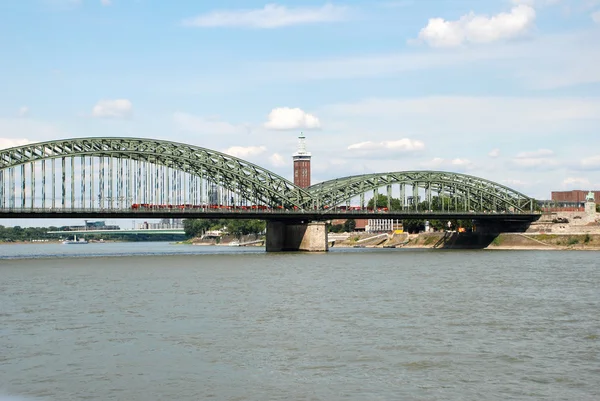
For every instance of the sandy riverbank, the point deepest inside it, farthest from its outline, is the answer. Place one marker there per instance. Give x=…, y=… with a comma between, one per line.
x=506, y=241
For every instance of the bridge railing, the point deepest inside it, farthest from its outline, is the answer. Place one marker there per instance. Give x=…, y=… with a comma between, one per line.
x=250, y=212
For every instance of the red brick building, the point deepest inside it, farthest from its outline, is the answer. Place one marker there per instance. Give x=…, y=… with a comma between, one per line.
x=575, y=196
x=360, y=223
x=302, y=164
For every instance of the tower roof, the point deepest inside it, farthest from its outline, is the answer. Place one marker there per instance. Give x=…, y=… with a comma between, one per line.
x=302, y=147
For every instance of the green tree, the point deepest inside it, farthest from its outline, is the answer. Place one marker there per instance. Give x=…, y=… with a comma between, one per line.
x=337, y=228
x=382, y=201
x=349, y=225
x=413, y=225
x=245, y=227
x=197, y=227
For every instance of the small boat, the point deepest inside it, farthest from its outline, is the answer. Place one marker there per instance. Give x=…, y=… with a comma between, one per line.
x=75, y=241
x=234, y=243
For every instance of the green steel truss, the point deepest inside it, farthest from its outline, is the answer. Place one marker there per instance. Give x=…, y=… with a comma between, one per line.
x=256, y=183
x=476, y=193
x=252, y=181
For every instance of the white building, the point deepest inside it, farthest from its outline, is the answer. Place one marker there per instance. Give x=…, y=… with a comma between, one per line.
x=383, y=225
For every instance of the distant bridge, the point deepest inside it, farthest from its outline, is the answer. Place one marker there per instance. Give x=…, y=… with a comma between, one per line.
x=146, y=178
x=150, y=231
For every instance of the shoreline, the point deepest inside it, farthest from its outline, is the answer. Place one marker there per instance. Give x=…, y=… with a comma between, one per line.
x=437, y=240
x=504, y=241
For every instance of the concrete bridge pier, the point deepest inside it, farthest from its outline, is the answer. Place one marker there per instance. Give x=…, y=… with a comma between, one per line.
x=296, y=236
x=503, y=226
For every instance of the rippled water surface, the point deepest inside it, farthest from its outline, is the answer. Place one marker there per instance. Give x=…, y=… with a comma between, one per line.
x=142, y=322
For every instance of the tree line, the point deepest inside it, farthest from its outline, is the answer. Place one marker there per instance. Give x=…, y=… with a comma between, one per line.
x=27, y=234
x=18, y=233
x=238, y=228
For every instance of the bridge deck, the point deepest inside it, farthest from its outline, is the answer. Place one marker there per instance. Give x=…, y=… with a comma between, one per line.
x=287, y=215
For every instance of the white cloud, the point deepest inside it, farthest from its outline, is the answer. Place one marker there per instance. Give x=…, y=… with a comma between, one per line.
x=206, y=125
x=472, y=28
x=6, y=143
x=494, y=153
x=20, y=131
x=116, y=108
x=270, y=16
x=245, y=152
x=541, y=62
x=24, y=111
x=456, y=164
x=596, y=17
x=403, y=145
x=433, y=163
x=573, y=61
x=285, y=118
x=106, y=2
x=536, y=154
x=576, y=182
x=590, y=163
x=514, y=183
x=277, y=160
x=542, y=164
x=535, y=163
x=542, y=159
x=464, y=130
x=461, y=162
x=466, y=118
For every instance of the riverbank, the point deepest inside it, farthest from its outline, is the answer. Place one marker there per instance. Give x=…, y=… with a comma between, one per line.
x=29, y=242
x=226, y=240
x=438, y=240
x=547, y=241
x=453, y=240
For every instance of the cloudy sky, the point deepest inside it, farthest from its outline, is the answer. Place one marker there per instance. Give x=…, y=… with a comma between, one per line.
x=505, y=90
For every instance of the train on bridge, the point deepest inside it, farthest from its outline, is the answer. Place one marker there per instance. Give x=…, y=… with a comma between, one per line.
x=151, y=206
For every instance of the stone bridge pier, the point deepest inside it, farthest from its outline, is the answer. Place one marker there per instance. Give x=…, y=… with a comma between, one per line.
x=296, y=236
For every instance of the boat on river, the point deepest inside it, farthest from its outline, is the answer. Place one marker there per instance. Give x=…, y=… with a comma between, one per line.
x=75, y=241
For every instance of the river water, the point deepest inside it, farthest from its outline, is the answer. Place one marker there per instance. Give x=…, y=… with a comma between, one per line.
x=154, y=321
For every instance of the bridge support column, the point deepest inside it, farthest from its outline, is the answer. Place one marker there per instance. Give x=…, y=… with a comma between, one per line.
x=296, y=236
x=497, y=227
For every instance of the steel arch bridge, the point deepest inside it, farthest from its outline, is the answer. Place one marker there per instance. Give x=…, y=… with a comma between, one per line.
x=127, y=174
x=461, y=192
x=114, y=172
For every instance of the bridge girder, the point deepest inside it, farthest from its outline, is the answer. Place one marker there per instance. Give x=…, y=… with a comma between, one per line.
x=252, y=181
x=255, y=182
x=482, y=194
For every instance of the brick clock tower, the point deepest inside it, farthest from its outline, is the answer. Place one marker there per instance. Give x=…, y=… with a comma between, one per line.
x=302, y=164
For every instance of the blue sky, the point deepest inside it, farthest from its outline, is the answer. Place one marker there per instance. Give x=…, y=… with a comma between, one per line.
x=505, y=90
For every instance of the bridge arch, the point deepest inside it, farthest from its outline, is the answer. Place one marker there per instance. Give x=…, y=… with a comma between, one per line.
x=132, y=170
x=466, y=191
